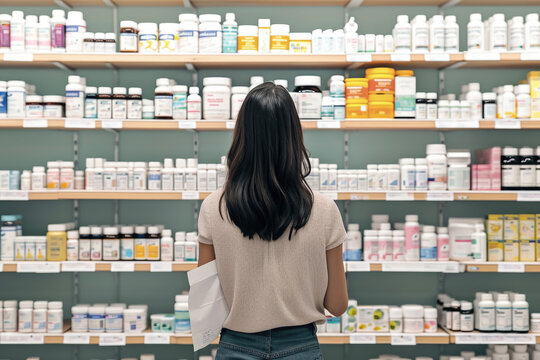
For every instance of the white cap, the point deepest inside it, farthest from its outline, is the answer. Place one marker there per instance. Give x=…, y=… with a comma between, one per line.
x=509, y=151
x=403, y=18
x=210, y=18
x=193, y=90
x=282, y=82
x=428, y=229
x=180, y=163
x=430, y=312
x=128, y=24
x=239, y=89
x=412, y=311
x=475, y=17
x=33, y=19
x=55, y=304
x=168, y=163
x=264, y=22
x=395, y=312
x=26, y=304
x=135, y=91
x=306, y=80
x=17, y=14
x=180, y=88
x=229, y=17
x=104, y=90
x=532, y=17
x=436, y=149
x=220, y=81
x=162, y=82
x=508, y=88
x=256, y=80
x=526, y=151
x=411, y=218
x=75, y=15
x=74, y=79
x=498, y=17
x=353, y=227
x=119, y=90
x=188, y=17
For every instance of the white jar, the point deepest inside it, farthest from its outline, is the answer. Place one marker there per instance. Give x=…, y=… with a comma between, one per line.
x=40, y=317
x=168, y=42
x=516, y=34
x=79, y=318
x=279, y=38
x=188, y=34
x=443, y=110
x=420, y=34
x=535, y=322
x=75, y=29
x=337, y=86
x=10, y=316
x=248, y=36
x=53, y=106
x=44, y=33
x=96, y=319
x=179, y=106
x=520, y=314
x=34, y=106
x=523, y=102
x=210, y=34
x=498, y=33
x=55, y=317
x=428, y=244
x=459, y=173
x=413, y=318
x=114, y=319
x=128, y=39
x=72, y=245
x=451, y=34
x=119, y=103
x=26, y=316
x=475, y=33
x=104, y=104
x=436, y=162
x=239, y=93
x=194, y=104
x=134, y=103
x=217, y=98
x=436, y=34
x=402, y=34
x=148, y=38
x=154, y=175
x=396, y=319
x=430, y=320
x=16, y=98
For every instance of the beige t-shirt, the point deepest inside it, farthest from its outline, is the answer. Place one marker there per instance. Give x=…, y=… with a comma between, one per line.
x=271, y=284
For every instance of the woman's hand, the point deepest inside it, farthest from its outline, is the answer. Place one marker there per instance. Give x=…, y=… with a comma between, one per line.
x=206, y=254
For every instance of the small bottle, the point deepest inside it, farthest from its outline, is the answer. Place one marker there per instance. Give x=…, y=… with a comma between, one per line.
x=58, y=31
x=420, y=34
x=17, y=32
x=44, y=33
x=126, y=243
x=134, y=103
x=194, y=104
x=72, y=246
x=402, y=34
x=456, y=315
x=119, y=103
x=89, y=43
x=412, y=238
x=475, y=33
x=167, y=248
x=523, y=101
x=179, y=246
x=191, y=248
x=451, y=34
x=96, y=244
x=153, y=243
x=110, y=43
x=443, y=244
x=264, y=36
x=75, y=97
x=508, y=110
x=443, y=110
x=79, y=180
x=479, y=243
x=163, y=99
x=31, y=33
x=167, y=175
x=128, y=36
x=532, y=32
x=527, y=169
x=104, y=103
x=489, y=106
x=503, y=313
x=437, y=34
x=486, y=313
x=498, y=33
x=90, y=103
x=421, y=106
x=466, y=316
x=510, y=169
x=179, y=111
x=111, y=244
x=99, y=42
x=84, y=243
x=75, y=29
x=520, y=314
x=431, y=106
x=516, y=34
x=230, y=34
x=428, y=244
x=55, y=317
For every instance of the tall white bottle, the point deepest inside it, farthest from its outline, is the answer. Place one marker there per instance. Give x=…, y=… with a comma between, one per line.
x=420, y=34
x=451, y=34
x=532, y=32
x=475, y=33
x=498, y=33
x=436, y=34
x=402, y=34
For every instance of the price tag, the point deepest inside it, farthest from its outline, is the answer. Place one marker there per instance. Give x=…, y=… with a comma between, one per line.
x=18, y=57
x=453, y=124
x=336, y=124
x=528, y=196
x=507, y=124
x=78, y=266
x=38, y=267
x=395, y=266
x=399, y=196
x=112, y=340
x=35, y=123
x=400, y=57
x=449, y=267
x=358, y=266
x=161, y=266
x=190, y=195
x=482, y=56
x=19, y=338
x=405, y=339
x=230, y=124
x=80, y=123
x=187, y=124
x=511, y=267
x=157, y=338
x=359, y=197
x=436, y=57
x=111, y=124
x=363, y=339
x=530, y=56
x=14, y=195
x=75, y=338
x=440, y=196
x=360, y=57
x=331, y=194
x=495, y=339
x=120, y=266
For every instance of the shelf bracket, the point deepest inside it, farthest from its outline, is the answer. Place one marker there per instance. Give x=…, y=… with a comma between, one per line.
x=354, y=3
x=115, y=70
x=450, y=3
x=62, y=66
x=75, y=162
x=442, y=137
x=62, y=4
x=456, y=65
x=188, y=4
x=109, y=3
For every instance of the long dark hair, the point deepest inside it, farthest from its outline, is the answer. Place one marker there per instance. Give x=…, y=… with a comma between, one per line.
x=266, y=191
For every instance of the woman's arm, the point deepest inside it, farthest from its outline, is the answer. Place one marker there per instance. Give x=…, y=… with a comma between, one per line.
x=336, y=298
x=206, y=253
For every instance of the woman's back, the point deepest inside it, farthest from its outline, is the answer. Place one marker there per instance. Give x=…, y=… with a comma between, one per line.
x=270, y=284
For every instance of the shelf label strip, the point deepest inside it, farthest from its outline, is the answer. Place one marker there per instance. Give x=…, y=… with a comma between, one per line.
x=399, y=196
x=358, y=266
x=511, y=268
x=363, y=339
x=190, y=125
x=332, y=124
x=18, y=338
x=161, y=266
x=440, y=196
x=494, y=339
x=404, y=339
x=38, y=267
x=360, y=57
x=122, y=267
x=507, y=124
x=111, y=124
x=35, y=123
x=78, y=266
x=74, y=338
x=14, y=195
x=112, y=340
x=528, y=196
x=457, y=124
x=156, y=338
x=80, y=123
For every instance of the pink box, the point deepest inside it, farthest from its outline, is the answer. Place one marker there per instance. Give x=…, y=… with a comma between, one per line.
x=474, y=177
x=483, y=174
x=491, y=157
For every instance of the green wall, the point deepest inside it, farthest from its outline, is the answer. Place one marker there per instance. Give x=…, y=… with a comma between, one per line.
x=23, y=149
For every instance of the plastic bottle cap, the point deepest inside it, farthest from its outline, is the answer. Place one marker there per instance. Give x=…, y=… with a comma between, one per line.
x=429, y=229
x=306, y=80
x=120, y=91
x=210, y=18
x=526, y=151
x=436, y=149
x=219, y=81
x=353, y=227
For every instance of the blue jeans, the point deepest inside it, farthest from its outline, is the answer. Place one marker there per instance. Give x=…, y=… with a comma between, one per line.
x=286, y=343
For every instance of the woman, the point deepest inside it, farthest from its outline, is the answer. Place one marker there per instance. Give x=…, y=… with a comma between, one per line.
x=277, y=244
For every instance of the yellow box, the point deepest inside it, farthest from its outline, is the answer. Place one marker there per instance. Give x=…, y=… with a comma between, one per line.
x=527, y=237
x=511, y=238
x=495, y=229
x=56, y=245
x=534, y=82
x=372, y=319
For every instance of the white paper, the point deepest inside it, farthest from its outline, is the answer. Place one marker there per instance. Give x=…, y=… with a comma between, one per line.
x=76, y=338
x=80, y=123
x=530, y=55
x=495, y=338
x=111, y=124
x=528, y=196
x=511, y=267
x=207, y=307
x=360, y=57
x=482, y=56
x=183, y=124
x=35, y=123
x=18, y=56
x=38, y=267
x=400, y=57
x=399, y=196
x=112, y=340
x=363, y=339
x=358, y=266
x=457, y=124
x=440, y=196
x=157, y=338
x=119, y=266
x=404, y=339
x=190, y=195
x=436, y=57
x=333, y=124
x=230, y=124
x=507, y=124
x=161, y=266
x=78, y=266
x=20, y=338
x=14, y=195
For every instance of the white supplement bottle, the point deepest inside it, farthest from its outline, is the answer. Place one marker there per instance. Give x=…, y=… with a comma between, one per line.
x=75, y=29
x=17, y=27
x=167, y=248
x=58, y=31
x=55, y=317
x=134, y=103
x=264, y=36
x=44, y=33
x=385, y=243
x=428, y=244
x=74, y=97
x=520, y=314
x=451, y=34
x=168, y=39
x=516, y=34
x=217, y=98
x=10, y=316
x=436, y=163
x=353, y=246
x=402, y=34
x=79, y=318
x=437, y=34
x=148, y=38
x=72, y=245
x=532, y=32
x=119, y=103
x=16, y=98
x=31, y=33
x=503, y=313
x=210, y=34
x=420, y=34
x=498, y=33
x=523, y=101
x=179, y=102
x=408, y=174
x=163, y=99
x=239, y=93
x=104, y=103
x=40, y=317
x=26, y=316
x=188, y=34
x=475, y=33
x=508, y=110
x=179, y=248
x=486, y=313
x=474, y=98
x=194, y=104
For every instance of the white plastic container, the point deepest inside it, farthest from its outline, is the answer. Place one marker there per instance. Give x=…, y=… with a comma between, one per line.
x=96, y=319
x=114, y=319
x=523, y=102
x=413, y=318
x=486, y=313
x=217, y=98
x=402, y=34
x=194, y=104
x=420, y=34
x=75, y=29
x=503, y=313
x=520, y=314
x=31, y=33
x=474, y=98
x=437, y=34
x=532, y=32
x=79, y=318
x=451, y=34
x=26, y=316
x=168, y=38
x=17, y=31
x=16, y=98
x=58, y=31
x=498, y=33
x=428, y=244
x=55, y=317
x=188, y=34
x=412, y=238
x=44, y=33
x=239, y=93
x=40, y=317
x=508, y=110
x=210, y=34
x=459, y=173
x=74, y=97
x=516, y=34
x=264, y=36
x=475, y=33
x=279, y=38
x=148, y=38
x=436, y=162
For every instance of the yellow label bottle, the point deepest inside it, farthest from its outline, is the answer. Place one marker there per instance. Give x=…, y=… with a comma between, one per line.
x=495, y=224
x=511, y=238
x=527, y=237
x=56, y=242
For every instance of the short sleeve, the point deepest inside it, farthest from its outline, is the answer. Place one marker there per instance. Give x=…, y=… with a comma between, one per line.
x=205, y=228
x=335, y=231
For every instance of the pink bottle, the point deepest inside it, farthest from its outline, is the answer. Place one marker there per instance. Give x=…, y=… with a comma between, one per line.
x=443, y=244
x=385, y=243
x=412, y=238
x=371, y=246
x=398, y=245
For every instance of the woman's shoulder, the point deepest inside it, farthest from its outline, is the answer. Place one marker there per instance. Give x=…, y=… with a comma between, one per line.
x=322, y=202
x=211, y=202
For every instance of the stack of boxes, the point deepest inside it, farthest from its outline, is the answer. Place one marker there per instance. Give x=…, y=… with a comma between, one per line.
x=513, y=237
x=486, y=174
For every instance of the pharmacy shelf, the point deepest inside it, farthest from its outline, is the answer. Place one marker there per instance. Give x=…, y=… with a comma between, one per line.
x=405, y=266
x=502, y=267
x=95, y=266
x=258, y=61
x=208, y=125
x=205, y=3
x=529, y=196
x=478, y=338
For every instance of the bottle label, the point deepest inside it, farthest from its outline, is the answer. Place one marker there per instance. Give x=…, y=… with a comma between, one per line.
x=90, y=108
x=451, y=37
x=74, y=37
x=520, y=318
x=210, y=41
x=148, y=43
x=74, y=104
x=163, y=105
x=428, y=253
x=167, y=43
x=421, y=40
x=279, y=42
x=16, y=103
x=179, y=106
x=438, y=39
x=128, y=42
x=104, y=108
x=230, y=34
x=487, y=319
x=474, y=38
x=503, y=319
x=499, y=39
x=58, y=36
x=5, y=36
x=134, y=109
x=188, y=41
x=119, y=109
x=3, y=102
x=403, y=39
